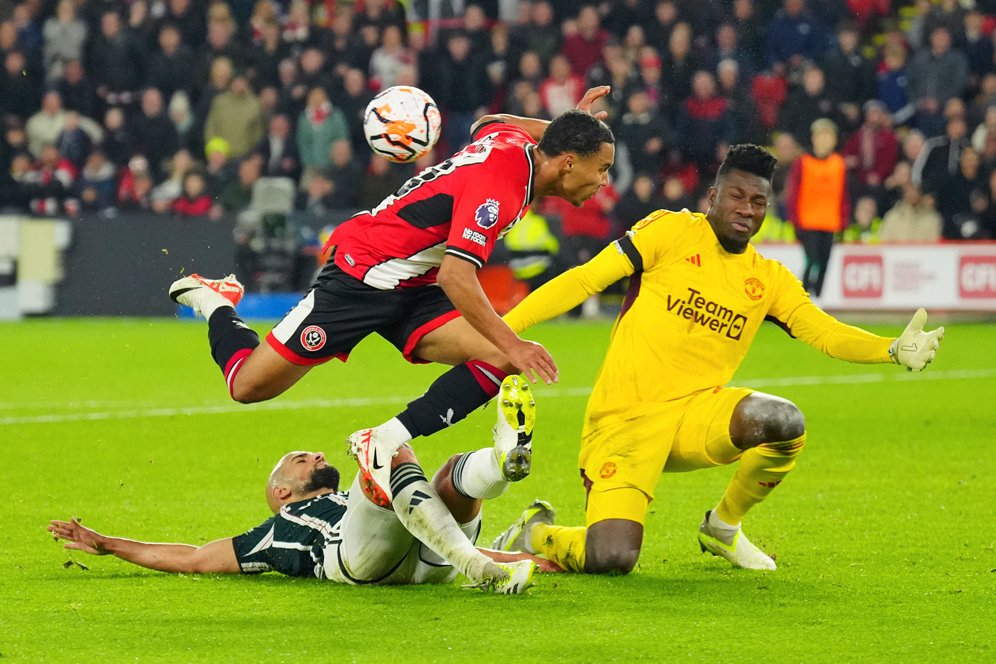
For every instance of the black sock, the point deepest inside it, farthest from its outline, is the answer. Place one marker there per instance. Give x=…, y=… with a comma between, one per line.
x=231, y=339
x=452, y=397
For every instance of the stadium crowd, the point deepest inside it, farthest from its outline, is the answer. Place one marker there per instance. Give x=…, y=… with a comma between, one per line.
x=180, y=106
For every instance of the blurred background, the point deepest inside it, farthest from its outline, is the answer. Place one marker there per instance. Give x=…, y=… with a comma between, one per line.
x=145, y=139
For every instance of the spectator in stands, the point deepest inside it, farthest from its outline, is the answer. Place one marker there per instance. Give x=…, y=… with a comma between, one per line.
x=618, y=73
x=219, y=169
x=751, y=34
x=219, y=79
x=727, y=48
x=188, y=17
x=962, y=198
x=73, y=142
x=704, y=124
x=221, y=43
x=77, y=92
x=318, y=127
x=583, y=40
x=936, y=74
x=461, y=88
x=787, y=151
x=649, y=78
x=182, y=117
x=172, y=67
x=116, y=62
x=381, y=180
x=97, y=185
x=871, y=152
x=676, y=197
x=850, y=76
x=55, y=176
x=237, y=194
x=866, y=224
x=119, y=142
x=679, y=66
x=346, y=175
x=987, y=220
x=818, y=202
x=44, y=126
x=794, y=36
x=236, y=116
x=142, y=27
x=641, y=199
x=940, y=156
x=65, y=37
x=912, y=218
x=194, y=201
x=744, y=116
x=155, y=136
x=978, y=49
x=808, y=103
x=645, y=134
x=893, y=82
x=278, y=150
x=298, y=32
x=985, y=130
x=354, y=97
x=169, y=189
x=314, y=204
x=665, y=17
x=541, y=35
x=389, y=57
x=265, y=58
x=20, y=87
x=135, y=186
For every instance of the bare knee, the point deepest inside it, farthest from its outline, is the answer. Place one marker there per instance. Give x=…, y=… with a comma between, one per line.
x=613, y=546
x=762, y=418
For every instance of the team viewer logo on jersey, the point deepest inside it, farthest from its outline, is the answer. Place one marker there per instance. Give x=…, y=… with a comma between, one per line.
x=312, y=338
x=487, y=213
x=754, y=288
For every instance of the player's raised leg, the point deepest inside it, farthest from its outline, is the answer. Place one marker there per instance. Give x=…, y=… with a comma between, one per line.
x=767, y=433
x=252, y=372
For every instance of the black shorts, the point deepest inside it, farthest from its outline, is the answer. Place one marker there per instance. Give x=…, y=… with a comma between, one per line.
x=340, y=311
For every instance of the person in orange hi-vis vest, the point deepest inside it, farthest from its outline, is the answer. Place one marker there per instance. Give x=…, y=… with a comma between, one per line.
x=818, y=202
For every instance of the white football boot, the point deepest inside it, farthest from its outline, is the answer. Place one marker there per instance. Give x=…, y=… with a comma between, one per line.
x=517, y=536
x=201, y=294
x=735, y=547
x=510, y=579
x=513, y=433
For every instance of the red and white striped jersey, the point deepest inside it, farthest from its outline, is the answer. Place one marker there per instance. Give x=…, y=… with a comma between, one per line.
x=459, y=207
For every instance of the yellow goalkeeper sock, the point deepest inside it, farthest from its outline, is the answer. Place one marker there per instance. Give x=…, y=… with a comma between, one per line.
x=761, y=469
x=562, y=545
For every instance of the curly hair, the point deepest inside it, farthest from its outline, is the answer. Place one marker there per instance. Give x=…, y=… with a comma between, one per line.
x=749, y=158
x=577, y=132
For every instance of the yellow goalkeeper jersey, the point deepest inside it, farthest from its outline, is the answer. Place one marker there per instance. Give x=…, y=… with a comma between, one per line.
x=689, y=316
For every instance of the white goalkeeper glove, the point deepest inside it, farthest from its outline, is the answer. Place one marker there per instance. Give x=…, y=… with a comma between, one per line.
x=915, y=349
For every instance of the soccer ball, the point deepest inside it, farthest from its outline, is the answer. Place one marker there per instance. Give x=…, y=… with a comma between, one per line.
x=401, y=123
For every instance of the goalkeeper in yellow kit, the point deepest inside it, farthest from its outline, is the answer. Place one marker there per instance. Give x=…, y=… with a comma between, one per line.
x=698, y=293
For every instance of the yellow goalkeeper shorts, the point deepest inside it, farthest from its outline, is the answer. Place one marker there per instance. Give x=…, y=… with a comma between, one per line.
x=622, y=462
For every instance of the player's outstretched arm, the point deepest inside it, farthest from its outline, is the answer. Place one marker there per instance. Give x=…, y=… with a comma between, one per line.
x=914, y=348
x=216, y=557
x=536, y=127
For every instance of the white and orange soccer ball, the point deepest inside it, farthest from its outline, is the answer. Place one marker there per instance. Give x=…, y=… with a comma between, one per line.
x=401, y=123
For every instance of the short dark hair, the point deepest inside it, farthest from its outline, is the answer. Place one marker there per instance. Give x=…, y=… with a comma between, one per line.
x=575, y=131
x=749, y=158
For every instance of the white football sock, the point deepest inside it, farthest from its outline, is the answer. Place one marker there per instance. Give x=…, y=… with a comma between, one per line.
x=424, y=514
x=476, y=475
x=722, y=530
x=393, y=434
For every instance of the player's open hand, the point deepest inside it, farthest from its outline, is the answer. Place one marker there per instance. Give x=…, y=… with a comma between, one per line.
x=590, y=97
x=533, y=361
x=78, y=536
x=915, y=349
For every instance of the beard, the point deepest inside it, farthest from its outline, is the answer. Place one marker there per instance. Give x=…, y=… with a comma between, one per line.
x=323, y=478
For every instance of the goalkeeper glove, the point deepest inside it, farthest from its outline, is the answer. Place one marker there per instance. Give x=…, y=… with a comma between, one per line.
x=915, y=349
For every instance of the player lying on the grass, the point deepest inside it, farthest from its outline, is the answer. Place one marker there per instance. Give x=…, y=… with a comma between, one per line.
x=437, y=230
x=698, y=293
x=317, y=531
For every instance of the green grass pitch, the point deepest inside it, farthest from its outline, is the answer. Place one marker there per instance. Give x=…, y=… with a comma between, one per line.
x=884, y=534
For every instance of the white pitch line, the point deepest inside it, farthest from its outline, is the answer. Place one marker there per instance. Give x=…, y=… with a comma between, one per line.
x=547, y=393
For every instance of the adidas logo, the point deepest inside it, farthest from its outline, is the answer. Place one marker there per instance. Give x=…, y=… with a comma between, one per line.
x=694, y=260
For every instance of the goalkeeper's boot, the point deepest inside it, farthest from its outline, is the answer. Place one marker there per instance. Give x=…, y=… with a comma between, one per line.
x=196, y=292
x=374, y=460
x=513, y=432
x=517, y=536
x=508, y=578
x=734, y=546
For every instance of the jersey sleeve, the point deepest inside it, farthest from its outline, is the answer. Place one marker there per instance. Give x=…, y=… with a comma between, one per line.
x=252, y=548
x=652, y=237
x=489, y=200
x=570, y=289
x=792, y=310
